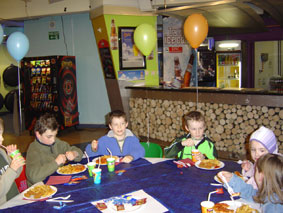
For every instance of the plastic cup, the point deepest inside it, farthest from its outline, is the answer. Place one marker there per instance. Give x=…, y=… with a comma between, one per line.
x=194, y=154
x=111, y=164
x=14, y=153
x=96, y=175
x=90, y=166
x=207, y=206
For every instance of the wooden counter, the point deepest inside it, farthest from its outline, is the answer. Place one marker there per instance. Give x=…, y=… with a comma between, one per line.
x=231, y=114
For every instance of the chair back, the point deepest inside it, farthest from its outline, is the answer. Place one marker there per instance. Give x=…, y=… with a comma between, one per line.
x=152, y=149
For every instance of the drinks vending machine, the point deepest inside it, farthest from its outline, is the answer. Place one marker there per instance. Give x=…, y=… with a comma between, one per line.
x=49, y=85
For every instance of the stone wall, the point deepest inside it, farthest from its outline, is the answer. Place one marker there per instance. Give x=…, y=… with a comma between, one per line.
x=229, y=125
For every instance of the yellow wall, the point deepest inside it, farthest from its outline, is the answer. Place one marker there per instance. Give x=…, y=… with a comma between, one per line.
x=104, y=23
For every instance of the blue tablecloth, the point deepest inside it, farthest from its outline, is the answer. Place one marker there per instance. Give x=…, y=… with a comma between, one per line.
x=178, y=189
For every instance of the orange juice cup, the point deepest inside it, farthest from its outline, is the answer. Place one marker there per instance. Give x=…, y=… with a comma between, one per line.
x=207, y=206
x=194, y=154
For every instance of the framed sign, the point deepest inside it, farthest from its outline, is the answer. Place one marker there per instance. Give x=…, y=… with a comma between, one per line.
x=129, y=55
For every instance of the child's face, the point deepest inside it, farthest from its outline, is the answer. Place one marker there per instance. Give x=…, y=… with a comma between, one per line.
x=118, y=125
x=258, y=178
x=48, y=137
x=196, y=128
x=257, y=150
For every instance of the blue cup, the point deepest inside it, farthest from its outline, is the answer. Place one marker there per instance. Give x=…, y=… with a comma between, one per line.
x=96, y=173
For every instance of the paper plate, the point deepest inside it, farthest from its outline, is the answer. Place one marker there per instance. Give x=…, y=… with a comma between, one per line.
x=233, y=205
x=103, y=159
x=73, y=173
x=41, y=198
x=220, y=167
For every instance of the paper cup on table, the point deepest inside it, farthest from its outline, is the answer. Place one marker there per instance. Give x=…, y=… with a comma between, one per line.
x=207, y=206
x=14, y=153
x=111, y=164
x=90, y=166
x=194, y=154
x=96, y=175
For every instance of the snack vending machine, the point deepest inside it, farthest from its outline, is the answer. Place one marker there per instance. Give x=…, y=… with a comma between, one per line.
x=228, y=66
x=49, y=85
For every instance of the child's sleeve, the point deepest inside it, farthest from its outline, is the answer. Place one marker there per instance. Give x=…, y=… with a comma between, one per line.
x=137, y=151
x=173, y=150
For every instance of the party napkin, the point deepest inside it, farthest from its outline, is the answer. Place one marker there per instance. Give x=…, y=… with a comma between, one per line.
x=188, y=160
x=146, y=203
x=54, y=180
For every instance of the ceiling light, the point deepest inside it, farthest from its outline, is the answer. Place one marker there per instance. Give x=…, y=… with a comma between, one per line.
x=228, y=45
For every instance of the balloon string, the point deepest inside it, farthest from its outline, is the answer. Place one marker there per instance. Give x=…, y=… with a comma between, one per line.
x=19, y=90
x=196, y=73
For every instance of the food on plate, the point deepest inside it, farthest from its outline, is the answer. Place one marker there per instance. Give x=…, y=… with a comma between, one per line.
x=246, y=209
x=71, y=169
x=222, y=208
x=210, y=164
x=103, y=159
x=40, y=191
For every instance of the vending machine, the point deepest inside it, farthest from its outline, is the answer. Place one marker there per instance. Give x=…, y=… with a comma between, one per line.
x=228, y=64
x=49, y=85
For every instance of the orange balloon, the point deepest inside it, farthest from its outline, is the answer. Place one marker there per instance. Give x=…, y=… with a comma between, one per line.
x=195, y=29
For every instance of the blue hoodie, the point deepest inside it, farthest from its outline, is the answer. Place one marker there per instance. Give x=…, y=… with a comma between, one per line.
x=131, y=146
x=247, y=192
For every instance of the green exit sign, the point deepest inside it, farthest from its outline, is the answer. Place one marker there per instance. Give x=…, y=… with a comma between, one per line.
x=53, y=35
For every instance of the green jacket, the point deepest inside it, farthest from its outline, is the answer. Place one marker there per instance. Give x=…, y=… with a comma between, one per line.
x=40, y=161
x=176, y=149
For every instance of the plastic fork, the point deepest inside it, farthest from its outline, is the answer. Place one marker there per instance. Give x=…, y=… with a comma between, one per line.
x=229, y=189
x=62, y=198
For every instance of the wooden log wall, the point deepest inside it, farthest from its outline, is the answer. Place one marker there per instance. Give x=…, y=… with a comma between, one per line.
x=229, y=125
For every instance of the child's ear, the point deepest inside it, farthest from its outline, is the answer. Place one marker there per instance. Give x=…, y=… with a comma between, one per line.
x=37, y=134
x=186, y=128
x=127, y=124
x=110, y=126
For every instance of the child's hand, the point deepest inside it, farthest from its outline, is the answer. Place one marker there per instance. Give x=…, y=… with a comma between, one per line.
x=188, y=142
x=17, y=162
x=11, y=148
x=71, y=155
x=199, y=156
x=127, y=159
x=94, y=145
x=246, y=165
x=227, y=175
x=61, y=159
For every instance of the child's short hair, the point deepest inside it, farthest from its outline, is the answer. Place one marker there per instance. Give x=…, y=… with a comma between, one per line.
x=45, y=122
x=116, y=114
x=271, y=165
x=193, y=116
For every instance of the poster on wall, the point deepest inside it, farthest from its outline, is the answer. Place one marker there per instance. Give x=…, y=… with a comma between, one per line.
x=106, y=59
x=176, y=52
x=129, y=54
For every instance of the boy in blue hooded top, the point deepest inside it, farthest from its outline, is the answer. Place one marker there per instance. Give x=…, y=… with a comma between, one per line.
x=120, y=140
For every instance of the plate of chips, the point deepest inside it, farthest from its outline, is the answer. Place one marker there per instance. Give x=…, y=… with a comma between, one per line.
x=209, y=164
x=124, y=203
x=233, y=207
x=39, y=192
x=71, y=169
x=103, y=159
x=218, y=180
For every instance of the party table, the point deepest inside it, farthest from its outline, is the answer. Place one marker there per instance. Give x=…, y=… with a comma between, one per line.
x=177, y=189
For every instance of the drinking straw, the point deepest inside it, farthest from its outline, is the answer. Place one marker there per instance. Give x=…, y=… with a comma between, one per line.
x=109, y=152
x=210, y=194
x=99, y=162
x=87, y=157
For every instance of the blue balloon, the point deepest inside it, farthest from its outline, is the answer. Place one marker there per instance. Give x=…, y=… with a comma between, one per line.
x=1, y=34
x=17, y=45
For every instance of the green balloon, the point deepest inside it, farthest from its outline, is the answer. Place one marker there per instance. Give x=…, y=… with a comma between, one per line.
x=145, y=38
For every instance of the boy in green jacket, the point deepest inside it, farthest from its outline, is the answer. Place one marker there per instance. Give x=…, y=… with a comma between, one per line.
x=46, y=153
x=182, y=147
